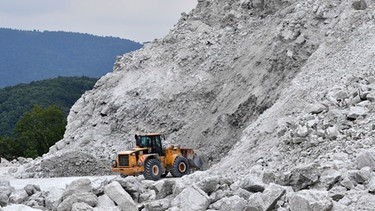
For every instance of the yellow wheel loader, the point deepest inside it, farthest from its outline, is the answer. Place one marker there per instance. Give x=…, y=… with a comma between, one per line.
x=153, y=161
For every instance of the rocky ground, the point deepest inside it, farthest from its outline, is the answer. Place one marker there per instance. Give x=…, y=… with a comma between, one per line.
x=277, y=96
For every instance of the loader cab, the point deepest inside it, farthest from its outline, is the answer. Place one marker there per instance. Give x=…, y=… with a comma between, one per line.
x=151, y=141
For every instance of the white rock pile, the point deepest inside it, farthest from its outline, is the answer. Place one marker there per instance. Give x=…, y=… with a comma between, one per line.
x=309, y=187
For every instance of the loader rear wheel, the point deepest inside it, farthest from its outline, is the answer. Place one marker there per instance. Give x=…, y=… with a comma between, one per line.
x=180, y=167
x=152, y=169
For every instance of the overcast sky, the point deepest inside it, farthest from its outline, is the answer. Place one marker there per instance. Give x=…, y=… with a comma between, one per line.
x=138, y=20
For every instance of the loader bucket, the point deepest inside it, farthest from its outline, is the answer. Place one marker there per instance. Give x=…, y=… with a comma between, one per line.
x=196, y=162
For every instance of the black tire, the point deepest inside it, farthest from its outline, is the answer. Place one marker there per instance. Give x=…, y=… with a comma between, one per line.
x=123, y=175
x=180, y=167
x=152, y=169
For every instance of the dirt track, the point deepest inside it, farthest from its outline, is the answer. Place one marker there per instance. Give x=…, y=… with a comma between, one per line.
x=45, y=184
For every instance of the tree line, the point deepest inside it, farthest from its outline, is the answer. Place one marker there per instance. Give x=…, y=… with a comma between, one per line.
x=33, y=116
x=35, y=132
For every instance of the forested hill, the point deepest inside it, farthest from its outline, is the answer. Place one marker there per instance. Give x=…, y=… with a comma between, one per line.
x=26, y=56
x=62, y=92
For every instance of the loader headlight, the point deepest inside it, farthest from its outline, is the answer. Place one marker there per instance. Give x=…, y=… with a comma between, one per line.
x=114, y=164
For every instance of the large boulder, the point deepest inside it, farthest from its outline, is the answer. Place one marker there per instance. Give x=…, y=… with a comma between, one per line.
x=310, y=200
x=36, y=200
x=78, y=186
x=18, y=196
x=252, y=184
x=104, y=201
x=5, y=191
x=329, y=177
x=366, y=202
x=366, y=158
x=107, y=209
x=371, y=186
x=303, y=176
x=31, y=189
x=53, y=198
x=209, y=184
x=78, y=191
x=362, y=176
x=159, y=205
x=85, y=197
x=190, y=199
x=272, y=194
x=234, y=203
x=132, y=186
x=268, y=199
x=356, y=111
x=117, y=193
x=98, y=184
x=316, y=108
x=256, y=202
x=81, y=206
x=163, y=188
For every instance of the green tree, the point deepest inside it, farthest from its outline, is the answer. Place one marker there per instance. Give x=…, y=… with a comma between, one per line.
x=60, y=91
x=37, y=130
x=9, y=148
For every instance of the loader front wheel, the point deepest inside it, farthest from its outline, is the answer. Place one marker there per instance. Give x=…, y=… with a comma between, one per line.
x=152, y=169
x=180, y=167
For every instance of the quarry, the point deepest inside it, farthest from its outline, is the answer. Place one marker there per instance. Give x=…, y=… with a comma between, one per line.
x=277, y=96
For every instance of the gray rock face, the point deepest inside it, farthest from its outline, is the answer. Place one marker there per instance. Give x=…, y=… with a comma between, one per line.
x=78, y=186
x=83, y=197
x=371, y=186
x=303, y=176
x=163, y=188
x=310, y=201
x=330, y=177
x=209, y=184
x=359, y=5
x=105, y=202
x=5, y=191
x=133, y=186
x=268, y=199
x=81, y=207
x=115, y=192
x=234, y=203
x=316, y=108
x=356, y=112
x=54, y=198
x=366, y=158
x=159, y=205
x=18, y=196
x=191, y=198
x=31, y=189
x=252, y=184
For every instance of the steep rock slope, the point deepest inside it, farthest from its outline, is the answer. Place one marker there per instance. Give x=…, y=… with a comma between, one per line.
x=281, y=92
x=326, y=114
x=214, y=73
x=222, y=66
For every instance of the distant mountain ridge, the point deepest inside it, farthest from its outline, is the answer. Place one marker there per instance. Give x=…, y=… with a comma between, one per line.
x=26, y=56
